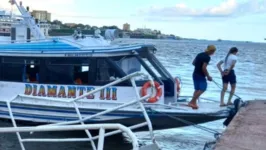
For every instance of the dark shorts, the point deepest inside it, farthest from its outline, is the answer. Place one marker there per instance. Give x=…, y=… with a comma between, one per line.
x=200, y=82
x=230, y=78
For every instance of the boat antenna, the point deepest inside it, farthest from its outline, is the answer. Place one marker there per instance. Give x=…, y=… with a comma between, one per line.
x=11, y=10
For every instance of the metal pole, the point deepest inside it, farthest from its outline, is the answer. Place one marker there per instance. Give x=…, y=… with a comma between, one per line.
x=87, y=131
x=15, y=125
x=101, y=139
x=100, y=113
x=74, y=128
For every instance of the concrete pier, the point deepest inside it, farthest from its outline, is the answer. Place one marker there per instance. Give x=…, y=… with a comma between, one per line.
x=247, y=131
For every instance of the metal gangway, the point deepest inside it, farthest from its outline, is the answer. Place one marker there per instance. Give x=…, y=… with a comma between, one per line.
x=80, y=123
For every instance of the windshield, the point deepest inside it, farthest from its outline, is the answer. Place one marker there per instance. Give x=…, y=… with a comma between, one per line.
x=131, y=64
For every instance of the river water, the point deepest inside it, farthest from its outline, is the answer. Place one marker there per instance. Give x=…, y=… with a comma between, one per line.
x=177, y=57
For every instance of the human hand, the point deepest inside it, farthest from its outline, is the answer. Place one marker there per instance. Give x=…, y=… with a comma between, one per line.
x=226, y=73
x=209, y=78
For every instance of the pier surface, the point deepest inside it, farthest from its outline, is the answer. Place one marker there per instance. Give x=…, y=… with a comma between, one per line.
x=247, y=131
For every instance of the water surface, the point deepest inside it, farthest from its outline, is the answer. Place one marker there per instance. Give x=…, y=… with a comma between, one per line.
x=177, y=57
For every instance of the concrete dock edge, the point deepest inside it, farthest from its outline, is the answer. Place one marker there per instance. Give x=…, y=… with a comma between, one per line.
x=247, y=131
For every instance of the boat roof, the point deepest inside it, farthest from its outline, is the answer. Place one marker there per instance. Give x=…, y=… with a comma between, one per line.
x=59, y=48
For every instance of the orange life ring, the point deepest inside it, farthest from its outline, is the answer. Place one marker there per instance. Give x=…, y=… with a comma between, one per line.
x=178, y=88
x=158, y=91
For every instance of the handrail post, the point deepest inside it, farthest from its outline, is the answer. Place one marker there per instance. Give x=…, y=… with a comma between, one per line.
x=146, y=116
x=82, y=122
x=14, y=124
x=101, y=138
x=100, y=127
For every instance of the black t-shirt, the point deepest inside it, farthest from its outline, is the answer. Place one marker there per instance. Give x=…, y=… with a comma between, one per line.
x=200, y=59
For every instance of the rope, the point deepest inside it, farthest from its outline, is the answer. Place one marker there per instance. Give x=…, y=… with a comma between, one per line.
x=216, y=133
x=221, y=87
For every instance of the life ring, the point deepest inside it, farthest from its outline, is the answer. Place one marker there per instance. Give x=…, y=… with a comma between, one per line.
x=178, y=87
x=158, y=91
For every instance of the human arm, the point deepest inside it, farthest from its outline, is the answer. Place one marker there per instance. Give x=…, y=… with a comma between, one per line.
x=232, y=66
x=205, y=71
x=206, y=61
x=219, y=64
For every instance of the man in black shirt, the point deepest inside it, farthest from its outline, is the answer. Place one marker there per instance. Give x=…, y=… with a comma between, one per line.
x=200, y=73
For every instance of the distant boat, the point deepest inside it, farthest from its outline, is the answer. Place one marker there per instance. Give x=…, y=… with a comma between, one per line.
x=219, y=40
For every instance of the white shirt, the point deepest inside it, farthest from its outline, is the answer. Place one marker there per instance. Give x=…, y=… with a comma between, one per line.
x=231, y=58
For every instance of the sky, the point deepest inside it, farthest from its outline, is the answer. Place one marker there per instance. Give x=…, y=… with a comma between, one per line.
x=241, y=20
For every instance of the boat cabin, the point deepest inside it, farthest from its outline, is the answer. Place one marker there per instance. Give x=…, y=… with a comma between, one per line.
x=84, y=67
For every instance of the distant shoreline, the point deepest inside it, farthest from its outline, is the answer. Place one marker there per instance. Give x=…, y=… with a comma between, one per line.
x=69, y=32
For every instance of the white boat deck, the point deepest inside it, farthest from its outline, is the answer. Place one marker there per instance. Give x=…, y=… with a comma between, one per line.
x=204, y=107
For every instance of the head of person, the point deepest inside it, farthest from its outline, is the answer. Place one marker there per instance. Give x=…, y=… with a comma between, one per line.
x=233, y=51
x=210, y=49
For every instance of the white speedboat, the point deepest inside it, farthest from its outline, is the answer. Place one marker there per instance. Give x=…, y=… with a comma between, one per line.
x=41, y=77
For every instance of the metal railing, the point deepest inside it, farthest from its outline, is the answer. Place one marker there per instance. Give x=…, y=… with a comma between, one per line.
x=81, y=119
x=100, y=127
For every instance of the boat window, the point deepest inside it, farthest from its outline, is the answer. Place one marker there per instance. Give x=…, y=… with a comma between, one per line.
x=152, y=67
x=19, y=60
x=104, y=71
x=31, y=73
x=108, y=71
x=68, y=61
x=67, y=71
x=19, y=69
x=131, y=64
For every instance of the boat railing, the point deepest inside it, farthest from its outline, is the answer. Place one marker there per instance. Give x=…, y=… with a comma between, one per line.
x=82, y=119
x=101, y=127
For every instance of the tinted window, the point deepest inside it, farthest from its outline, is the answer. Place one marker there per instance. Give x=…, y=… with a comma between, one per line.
x=19, y=69
x=67, y=70
x=19, y=60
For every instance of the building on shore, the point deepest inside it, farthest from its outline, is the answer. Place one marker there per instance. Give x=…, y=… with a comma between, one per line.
x=126, y=27
x=70, y=25
x=41, y=15
x=55, y=26
x=45, y=27
x=164, y=36
x=145, y=31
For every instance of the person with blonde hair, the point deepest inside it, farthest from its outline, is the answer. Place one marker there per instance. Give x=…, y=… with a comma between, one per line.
x=200, y=73
x=228, y=74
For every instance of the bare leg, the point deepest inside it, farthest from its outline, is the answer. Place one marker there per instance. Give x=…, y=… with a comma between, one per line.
x=196, y=97
x=233, y=88
x=225, y=85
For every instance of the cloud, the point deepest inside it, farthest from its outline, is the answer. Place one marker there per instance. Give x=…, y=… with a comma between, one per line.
x=228, y=8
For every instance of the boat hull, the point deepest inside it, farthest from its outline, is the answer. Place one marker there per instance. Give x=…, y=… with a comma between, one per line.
x=46, y=114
